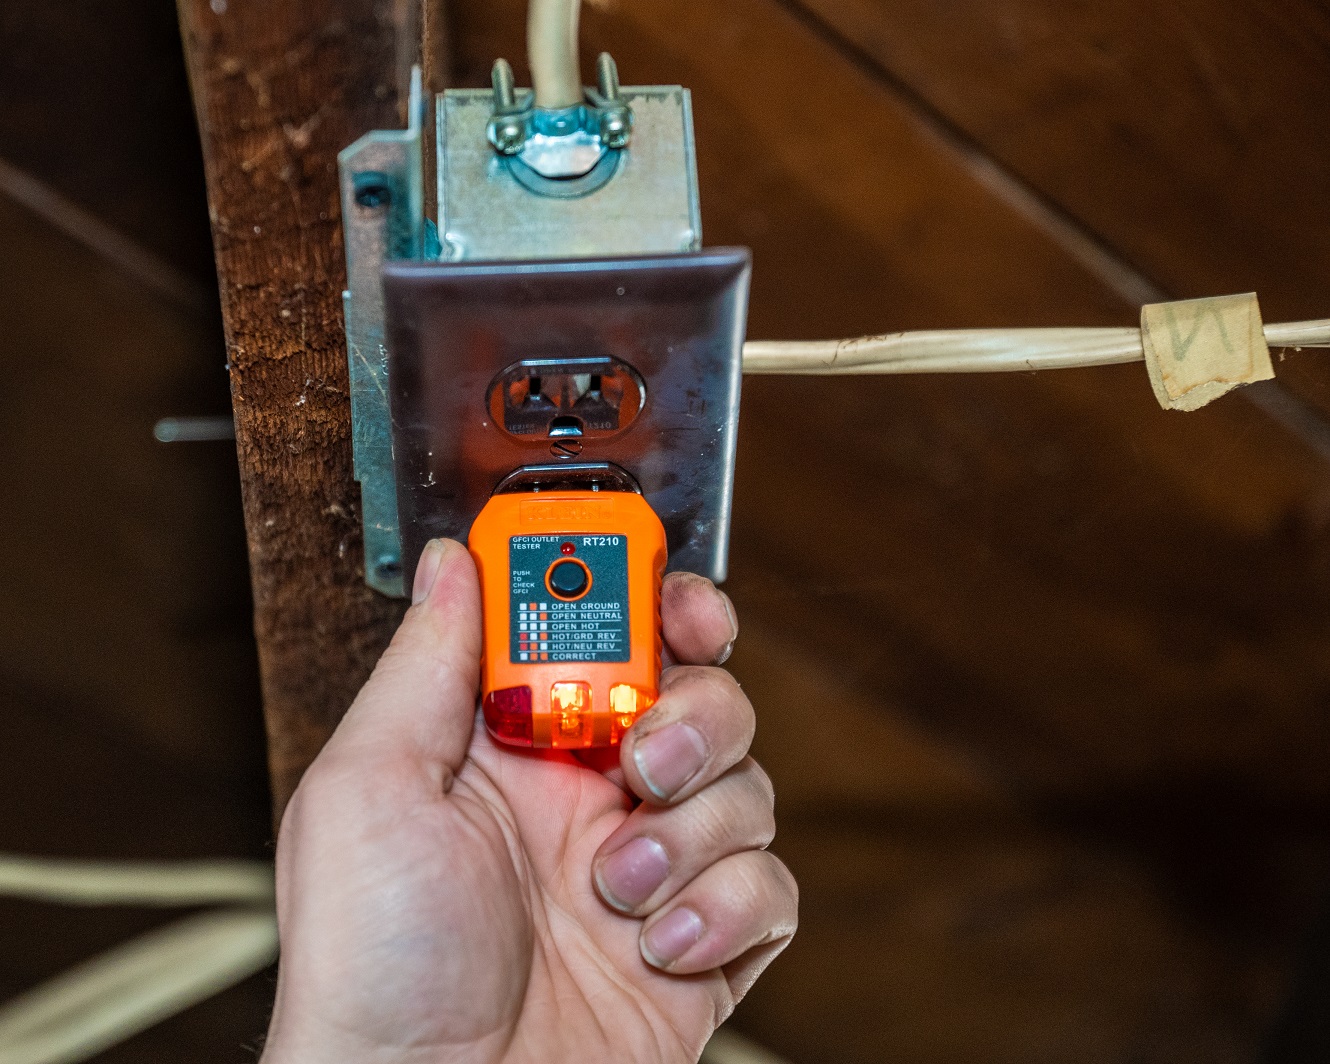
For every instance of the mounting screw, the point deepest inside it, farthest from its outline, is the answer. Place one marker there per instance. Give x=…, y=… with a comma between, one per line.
x=566, y=448
x=506, y=130
x=373, y=189
x=388, y=567
x=616, y=120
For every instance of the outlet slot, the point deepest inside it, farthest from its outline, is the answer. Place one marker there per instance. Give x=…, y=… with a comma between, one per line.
x=583, y=398
x=565, y=425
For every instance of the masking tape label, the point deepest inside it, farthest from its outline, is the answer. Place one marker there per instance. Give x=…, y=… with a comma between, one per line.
x=1198, y=349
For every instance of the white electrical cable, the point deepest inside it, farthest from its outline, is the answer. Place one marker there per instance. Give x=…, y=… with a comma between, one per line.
x=551, y=43
x=79, y=1013
x=982, y=350
x=136, y=883
x=128, y=989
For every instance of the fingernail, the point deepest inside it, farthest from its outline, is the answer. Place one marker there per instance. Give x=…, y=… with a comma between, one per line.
x=632, y=873
x=670, y=937
x=427, y=570
x=668, y=758
x=728, y=648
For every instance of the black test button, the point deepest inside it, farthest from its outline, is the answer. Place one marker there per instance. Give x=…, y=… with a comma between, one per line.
x=568, y=579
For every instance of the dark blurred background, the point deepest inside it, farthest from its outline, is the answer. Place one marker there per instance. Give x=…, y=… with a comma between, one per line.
x=131, y=724
x=1042, y=672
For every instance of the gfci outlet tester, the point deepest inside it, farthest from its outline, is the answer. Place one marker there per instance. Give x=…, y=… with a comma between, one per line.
x=570, y=584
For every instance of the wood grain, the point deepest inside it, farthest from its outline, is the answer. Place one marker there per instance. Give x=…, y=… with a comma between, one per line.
x=279, y=89
x=1186, y=139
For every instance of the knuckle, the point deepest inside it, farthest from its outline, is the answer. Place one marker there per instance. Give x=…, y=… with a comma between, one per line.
x=720, y=693
x=711, y=829
x=751, y=886
x=758, y=804
x=772, y=886
x=788, y=886
x=766, y=828
x=675, y=681
x=761, y=781
x=703, y=689
x=410, y=637
x=722, y=682
x=730, y=816
x=686, y=677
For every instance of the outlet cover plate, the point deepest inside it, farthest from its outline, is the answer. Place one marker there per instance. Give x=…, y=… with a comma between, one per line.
x=677, y=319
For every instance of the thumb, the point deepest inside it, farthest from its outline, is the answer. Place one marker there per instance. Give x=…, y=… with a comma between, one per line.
x=420, y=702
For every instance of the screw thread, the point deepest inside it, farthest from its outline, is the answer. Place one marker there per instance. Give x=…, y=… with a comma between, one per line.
x=607, y=76
x=501, y=77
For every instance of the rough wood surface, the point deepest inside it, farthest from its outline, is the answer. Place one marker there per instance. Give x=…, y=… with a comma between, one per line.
x=279, y=89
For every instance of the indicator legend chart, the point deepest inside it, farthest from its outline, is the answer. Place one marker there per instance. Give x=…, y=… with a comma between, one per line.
x=568, y=598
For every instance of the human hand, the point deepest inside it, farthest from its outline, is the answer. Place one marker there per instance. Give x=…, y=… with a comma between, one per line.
x=443, y=898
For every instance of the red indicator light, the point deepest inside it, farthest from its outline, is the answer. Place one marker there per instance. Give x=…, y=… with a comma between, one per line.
x=508, y=715
x=568, y=548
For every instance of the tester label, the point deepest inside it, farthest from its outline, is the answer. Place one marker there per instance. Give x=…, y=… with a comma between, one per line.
x=543, y=628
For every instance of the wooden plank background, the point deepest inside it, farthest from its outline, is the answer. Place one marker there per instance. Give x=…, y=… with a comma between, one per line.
x=1041, y=671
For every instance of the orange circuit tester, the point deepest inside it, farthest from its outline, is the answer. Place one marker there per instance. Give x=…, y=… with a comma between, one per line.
x=571, y=584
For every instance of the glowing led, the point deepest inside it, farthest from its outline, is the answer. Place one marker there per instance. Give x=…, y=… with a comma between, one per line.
x=627, y=703
x=570, y=714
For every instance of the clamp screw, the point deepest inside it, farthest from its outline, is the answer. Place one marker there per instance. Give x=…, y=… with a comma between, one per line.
x=616, y=120
x=507, y=135
x=607, y=77
x=507, y=131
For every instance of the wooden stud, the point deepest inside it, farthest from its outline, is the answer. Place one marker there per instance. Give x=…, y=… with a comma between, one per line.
x=279, y=89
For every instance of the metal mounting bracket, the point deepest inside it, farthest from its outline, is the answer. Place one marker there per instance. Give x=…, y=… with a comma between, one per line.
x=383, y=218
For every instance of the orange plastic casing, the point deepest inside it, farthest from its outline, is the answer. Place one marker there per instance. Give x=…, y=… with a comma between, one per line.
x=516, y=541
